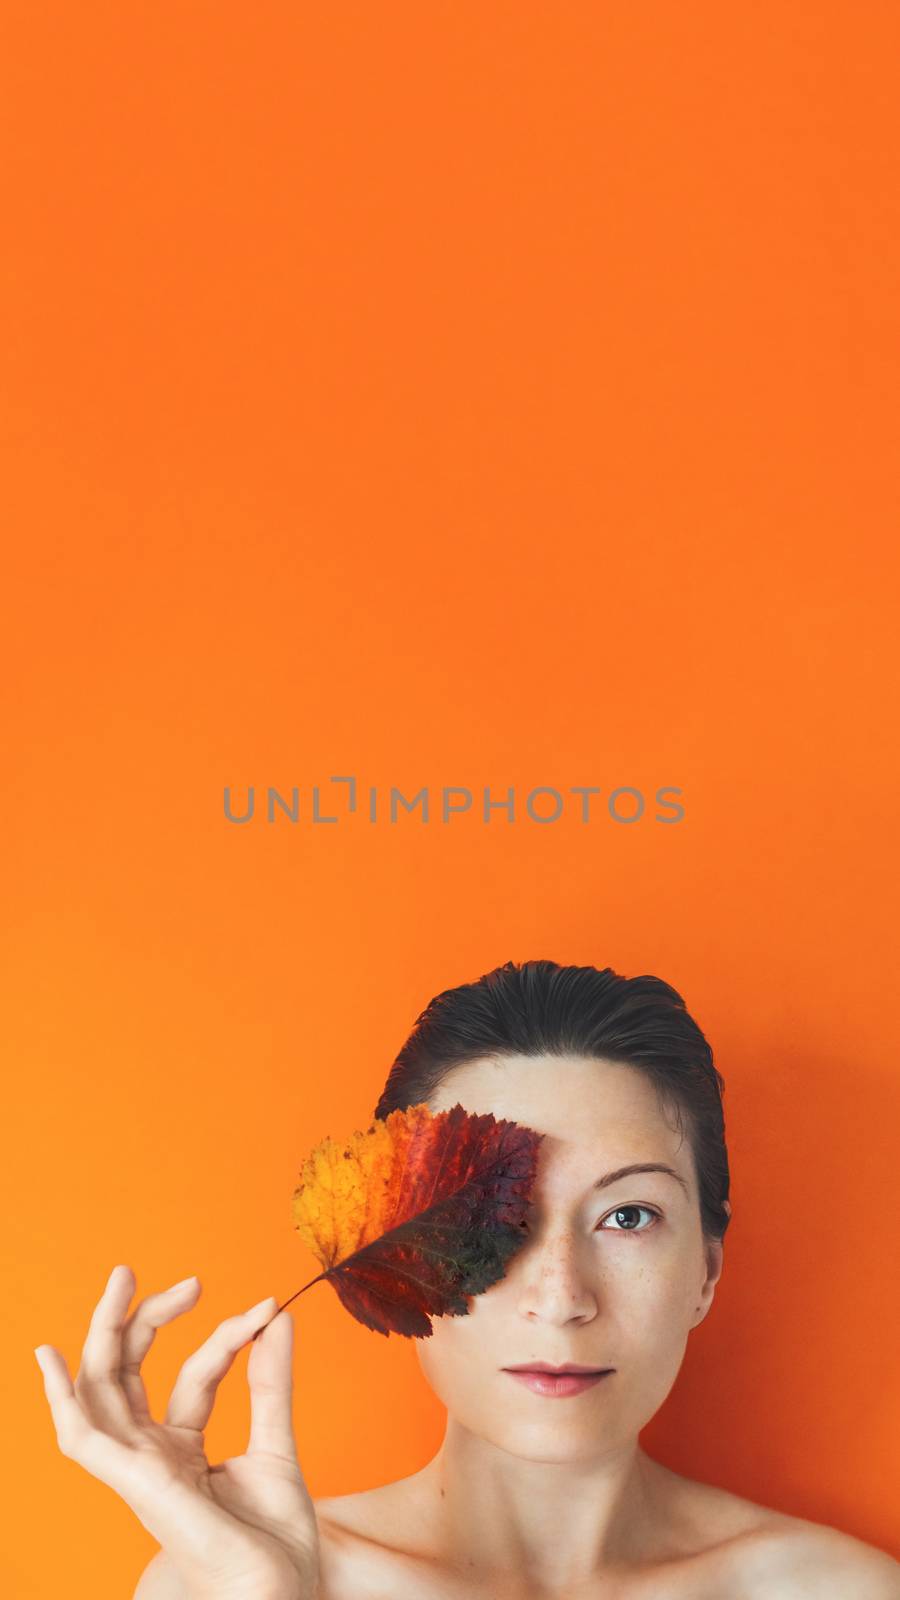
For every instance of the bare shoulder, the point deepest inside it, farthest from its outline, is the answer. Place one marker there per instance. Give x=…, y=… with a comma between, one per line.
x=374, y=1543
x=754, y=1552
x=801, y=1560
x=703, y=1516
x=384, y=1514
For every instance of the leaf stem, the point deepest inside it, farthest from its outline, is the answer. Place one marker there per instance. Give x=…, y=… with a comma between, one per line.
x=287, y=1302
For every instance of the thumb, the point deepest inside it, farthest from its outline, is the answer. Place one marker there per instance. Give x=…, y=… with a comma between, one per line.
x=270, y=1377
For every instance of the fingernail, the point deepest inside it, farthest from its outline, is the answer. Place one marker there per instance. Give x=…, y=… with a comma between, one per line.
x=37, y=1356
x=261, y=1306
x=182, y=1283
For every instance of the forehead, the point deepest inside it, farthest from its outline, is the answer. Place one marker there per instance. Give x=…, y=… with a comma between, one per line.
x=600, y=1111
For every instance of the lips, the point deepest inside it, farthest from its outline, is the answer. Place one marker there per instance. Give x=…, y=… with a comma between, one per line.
x=558, y=1383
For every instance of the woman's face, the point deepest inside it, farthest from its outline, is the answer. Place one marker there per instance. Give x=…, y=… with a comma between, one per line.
x=610, y=1277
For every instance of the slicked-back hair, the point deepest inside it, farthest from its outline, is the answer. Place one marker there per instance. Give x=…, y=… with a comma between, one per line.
x=534, y=1008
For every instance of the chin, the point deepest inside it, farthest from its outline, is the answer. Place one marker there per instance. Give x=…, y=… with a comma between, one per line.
x=552, y=1444
x=551, y=1438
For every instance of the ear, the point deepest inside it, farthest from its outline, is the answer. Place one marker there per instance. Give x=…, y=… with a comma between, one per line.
x=714, y=1252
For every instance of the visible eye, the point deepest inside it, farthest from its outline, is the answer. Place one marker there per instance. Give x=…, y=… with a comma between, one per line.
x=629, y=1227
x=620, y=1212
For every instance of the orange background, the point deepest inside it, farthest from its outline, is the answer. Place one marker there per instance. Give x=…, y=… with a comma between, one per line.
x=478, y=394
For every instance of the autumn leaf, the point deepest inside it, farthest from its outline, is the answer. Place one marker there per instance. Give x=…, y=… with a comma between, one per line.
x=417, y=1213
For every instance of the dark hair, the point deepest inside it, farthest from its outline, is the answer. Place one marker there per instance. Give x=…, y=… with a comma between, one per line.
x=540, y=1008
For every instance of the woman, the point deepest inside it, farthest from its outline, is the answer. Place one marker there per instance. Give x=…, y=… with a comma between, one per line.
x=540, y=1489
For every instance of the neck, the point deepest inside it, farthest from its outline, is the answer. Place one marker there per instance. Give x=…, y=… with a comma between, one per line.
x=538, y=1527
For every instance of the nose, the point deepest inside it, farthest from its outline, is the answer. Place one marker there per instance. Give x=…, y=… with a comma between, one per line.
x=555, y=1284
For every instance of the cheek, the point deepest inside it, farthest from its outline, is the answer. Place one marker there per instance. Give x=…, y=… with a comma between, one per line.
x=651, y=1290
x=460, y=1352
x=665, y=1293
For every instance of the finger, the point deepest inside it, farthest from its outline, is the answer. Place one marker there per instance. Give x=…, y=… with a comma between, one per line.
x=97, y=1382
x=193, y=1397
x=139, y=1332
x=270, y=1376
x=183, y=1521
x=106, y=1458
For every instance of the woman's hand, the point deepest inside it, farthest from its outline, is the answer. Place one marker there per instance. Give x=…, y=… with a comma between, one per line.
x=243, y=1530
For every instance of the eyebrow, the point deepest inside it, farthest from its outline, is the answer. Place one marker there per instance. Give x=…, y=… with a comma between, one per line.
x=641, y=1166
